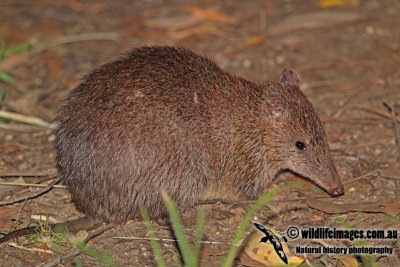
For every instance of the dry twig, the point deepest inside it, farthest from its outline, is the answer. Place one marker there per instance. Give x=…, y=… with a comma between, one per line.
x=360, y=177
x=48, y=251
x=167, y=240
x=91, y=36
x=391, y=108
x=25, y=119
x=49, y=172
x=33, y=185
x=36, y=194
x=365, y=108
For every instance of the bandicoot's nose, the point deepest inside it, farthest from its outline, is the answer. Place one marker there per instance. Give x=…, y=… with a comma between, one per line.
x=332, y=180
x=338, y=191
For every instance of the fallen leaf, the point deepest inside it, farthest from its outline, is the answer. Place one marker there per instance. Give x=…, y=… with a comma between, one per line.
x=317, y=218
x=7, y=218
x=348, y=261
x=253, y=41
x=392, y=171
x=204, y=29
x=338, y=3
x=8, y=149
x=264, y=252
x=391, y=207
x=209, y=14
x=245, y=260
x=45, y=256
x=75, y=5
x=316, y=20
x=173, y=23
x=80, y=7
x=7, y=188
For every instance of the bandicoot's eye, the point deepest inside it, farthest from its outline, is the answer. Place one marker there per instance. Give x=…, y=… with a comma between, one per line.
x=300, y=145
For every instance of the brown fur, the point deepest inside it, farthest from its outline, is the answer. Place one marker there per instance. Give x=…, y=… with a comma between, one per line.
x=167, y=119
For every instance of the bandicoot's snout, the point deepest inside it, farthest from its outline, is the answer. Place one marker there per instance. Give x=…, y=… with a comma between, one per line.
x=337, y=190
x=330, y=181
x=332, y=185
x=335, y=186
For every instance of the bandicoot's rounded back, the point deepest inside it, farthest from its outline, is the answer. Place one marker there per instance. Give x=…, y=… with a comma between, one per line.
x=167, y=119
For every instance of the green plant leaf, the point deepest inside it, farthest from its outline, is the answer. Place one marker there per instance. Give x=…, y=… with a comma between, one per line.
x=242, y=228
x=188, y=256
x=17, y=49
x=101, y=257
x=3, y=94
x=153, y=242
x=6, y=78
x=201, y=222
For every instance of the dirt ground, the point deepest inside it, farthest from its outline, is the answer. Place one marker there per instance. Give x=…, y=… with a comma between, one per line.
x=346, y=54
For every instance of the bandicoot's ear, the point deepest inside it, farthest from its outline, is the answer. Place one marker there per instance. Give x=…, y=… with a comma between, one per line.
x=276, y=106
x=289, y=78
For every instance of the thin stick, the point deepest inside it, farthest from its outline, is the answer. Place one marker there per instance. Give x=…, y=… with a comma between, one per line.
x=19, y=127
x=336, y=64
x=25, y=119
x=394, y=121
x=167, y=240
x=19, y=213
x=29, y=174
x=396, y=134
x=36, y=194
x=13, y=244
x=366, y=108
x=360, y=177
x=33, y=185
x=376, y=142
x=112, y=36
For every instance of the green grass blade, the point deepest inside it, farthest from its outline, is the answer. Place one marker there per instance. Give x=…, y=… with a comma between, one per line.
x=3, y=49
x=153, y=242
x=242, y=228
x=78, y=263
x=201, y=222
x=3, y=94
x=6, y=78
x=188, y=256
x=17, y=49
x=101, y=257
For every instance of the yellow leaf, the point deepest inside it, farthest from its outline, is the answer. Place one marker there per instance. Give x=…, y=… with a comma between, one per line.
x=338, y=3
x=348, y=261
x=264, y=252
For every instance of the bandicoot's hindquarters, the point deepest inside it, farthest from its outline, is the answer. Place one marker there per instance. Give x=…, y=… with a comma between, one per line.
x=114, y=160
x=167, y=119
